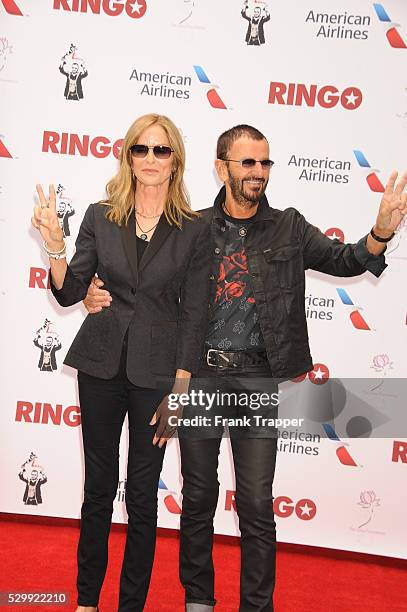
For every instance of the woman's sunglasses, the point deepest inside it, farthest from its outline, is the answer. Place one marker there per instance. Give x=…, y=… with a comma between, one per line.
x=160, y=151
x=250, y=163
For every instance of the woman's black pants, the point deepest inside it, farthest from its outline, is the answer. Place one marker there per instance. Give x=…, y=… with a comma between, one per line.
x=104, y=405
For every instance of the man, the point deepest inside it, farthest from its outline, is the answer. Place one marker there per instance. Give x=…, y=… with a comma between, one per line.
x=73, y=86
x=255, y=28
x=256, y=328
x=64, y=211
x=47, y=361
x=32, y=494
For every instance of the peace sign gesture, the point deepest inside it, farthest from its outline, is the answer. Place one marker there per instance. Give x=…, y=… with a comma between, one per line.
x=45, y=219
x=393, y=205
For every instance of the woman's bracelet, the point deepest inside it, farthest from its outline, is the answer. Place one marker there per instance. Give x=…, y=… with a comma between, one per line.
x=55, y=254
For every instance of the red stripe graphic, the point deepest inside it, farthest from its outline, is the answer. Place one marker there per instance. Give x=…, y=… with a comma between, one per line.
x=172, y=505
x=395, y=40
x=358, y=321
x=11, y=7
x=374, y=183
x=4, y=152
x=344, y=457
x=214, y=99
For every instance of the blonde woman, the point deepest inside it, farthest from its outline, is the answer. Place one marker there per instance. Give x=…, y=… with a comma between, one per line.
x=151, y=250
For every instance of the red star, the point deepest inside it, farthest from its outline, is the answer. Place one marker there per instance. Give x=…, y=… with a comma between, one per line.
x=136, y=8
x=351, y=98
x=335, y=232
x=305, y=509
x=320, y=374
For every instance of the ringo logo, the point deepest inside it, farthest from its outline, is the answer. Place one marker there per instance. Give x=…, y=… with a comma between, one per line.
x=45, y=413
x=39, y=278
x=73, y=144
x=113, y=8
x=327, y=96
x=283, y=506
x=11, y=7
x=399, y=451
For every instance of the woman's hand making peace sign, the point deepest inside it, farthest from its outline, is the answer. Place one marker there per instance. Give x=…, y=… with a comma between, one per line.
x=46, y=221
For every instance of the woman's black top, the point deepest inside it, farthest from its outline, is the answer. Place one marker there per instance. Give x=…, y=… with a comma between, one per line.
x=141, y=247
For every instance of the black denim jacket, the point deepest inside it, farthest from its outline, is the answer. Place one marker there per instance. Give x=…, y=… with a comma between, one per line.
x=280, y=246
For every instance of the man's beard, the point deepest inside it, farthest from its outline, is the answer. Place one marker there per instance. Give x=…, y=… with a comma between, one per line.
x=247, y=199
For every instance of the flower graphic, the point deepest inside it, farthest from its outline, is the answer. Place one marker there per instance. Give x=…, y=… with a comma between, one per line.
x=381, y=362
x=244, y=304
x=368, y=501
x=234, y=289
x=224, y=344
x=239, y=327
x=254, y=338
x=5, y=50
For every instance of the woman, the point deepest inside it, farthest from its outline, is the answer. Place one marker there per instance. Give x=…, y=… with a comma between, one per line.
x=151, y=250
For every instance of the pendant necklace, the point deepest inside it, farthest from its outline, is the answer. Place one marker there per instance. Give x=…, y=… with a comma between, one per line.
x=242, y=230
x=144, y=233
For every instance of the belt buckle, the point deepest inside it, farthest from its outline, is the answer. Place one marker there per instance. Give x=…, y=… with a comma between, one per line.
x=220, y=353
x=212, y=365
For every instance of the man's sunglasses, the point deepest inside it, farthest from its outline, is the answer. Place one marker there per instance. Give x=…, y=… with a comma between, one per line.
x=250, y=162
x=160, y=151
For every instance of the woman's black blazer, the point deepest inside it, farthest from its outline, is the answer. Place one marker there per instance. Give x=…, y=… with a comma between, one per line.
x=163, y=303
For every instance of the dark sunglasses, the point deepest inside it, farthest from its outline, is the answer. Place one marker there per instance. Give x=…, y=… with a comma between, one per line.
x=160, y=151
x=250, y=162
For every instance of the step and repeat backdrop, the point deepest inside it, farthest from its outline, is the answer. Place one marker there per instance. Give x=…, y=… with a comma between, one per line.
x=326, y=82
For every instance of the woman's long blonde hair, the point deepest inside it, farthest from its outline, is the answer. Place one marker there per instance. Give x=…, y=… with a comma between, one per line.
x=122, y=187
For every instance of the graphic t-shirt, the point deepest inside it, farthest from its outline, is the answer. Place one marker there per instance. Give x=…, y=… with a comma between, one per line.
x=254, y=30
x=235, y=323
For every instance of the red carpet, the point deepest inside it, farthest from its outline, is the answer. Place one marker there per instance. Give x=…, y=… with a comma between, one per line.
x=38, y=554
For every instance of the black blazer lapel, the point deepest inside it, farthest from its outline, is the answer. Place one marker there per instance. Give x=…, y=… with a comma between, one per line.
x=128, y=234
x=161, y=233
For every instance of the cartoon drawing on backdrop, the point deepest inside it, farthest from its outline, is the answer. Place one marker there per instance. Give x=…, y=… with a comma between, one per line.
x=5, y=50
x=47, y=340
x=257, y=14
x=64, y=210
x=73, y=67
x=34, y=476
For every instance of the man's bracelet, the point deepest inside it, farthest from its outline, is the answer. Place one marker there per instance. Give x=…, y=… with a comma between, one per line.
x=379, y=239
